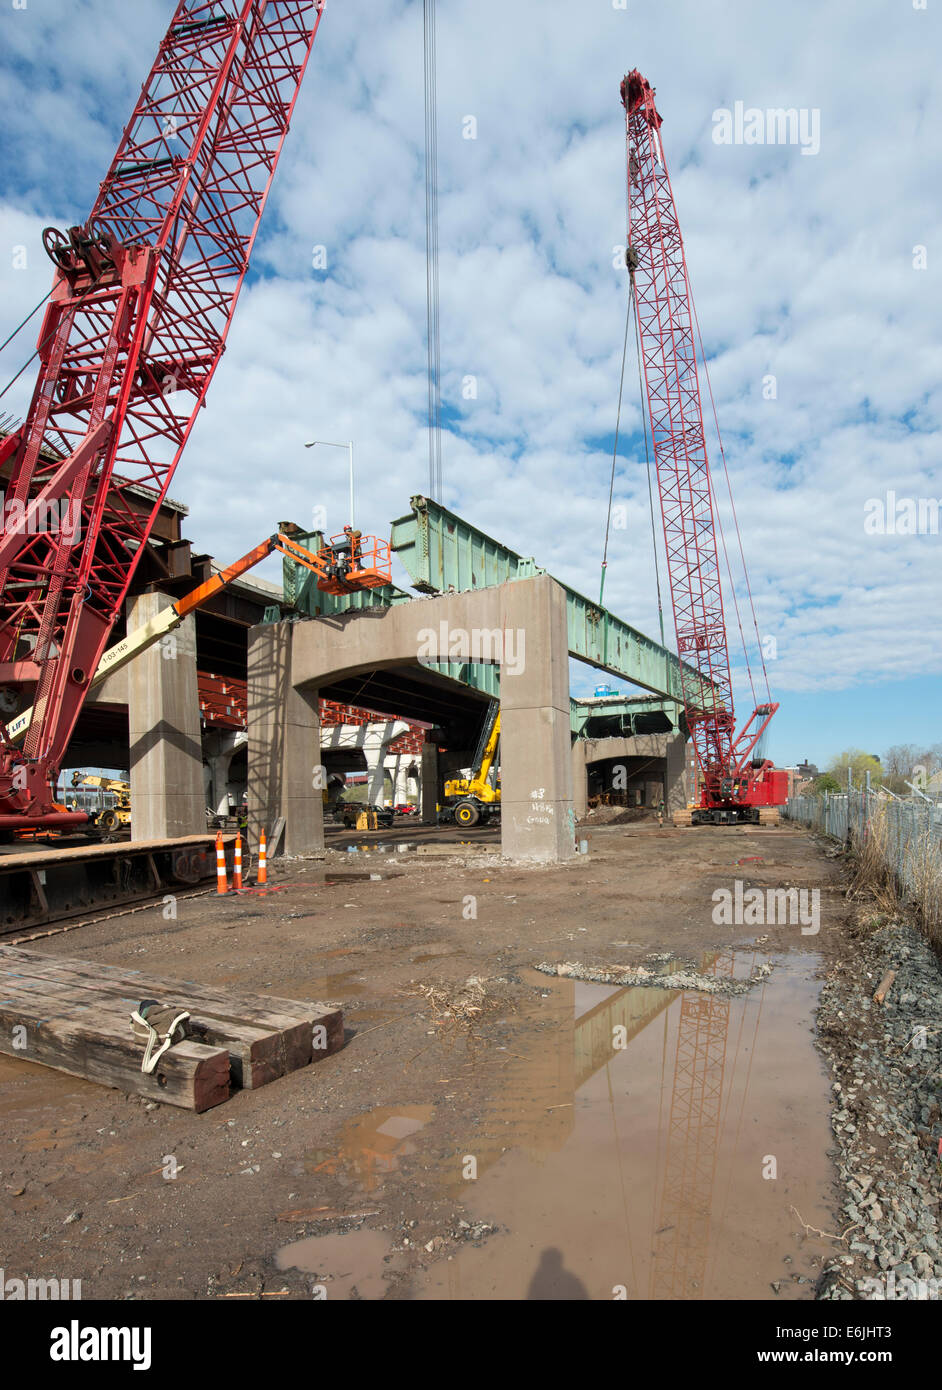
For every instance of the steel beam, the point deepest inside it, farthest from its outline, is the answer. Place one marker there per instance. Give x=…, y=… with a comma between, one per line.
x=627, y=709
x=441, y=551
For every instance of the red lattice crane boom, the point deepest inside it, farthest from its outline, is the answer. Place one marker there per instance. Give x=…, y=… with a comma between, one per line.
x=733, y=784
x=135, y=326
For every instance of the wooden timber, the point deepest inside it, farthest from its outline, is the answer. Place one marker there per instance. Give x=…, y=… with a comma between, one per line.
x=98, y=1046
x=263, y=1037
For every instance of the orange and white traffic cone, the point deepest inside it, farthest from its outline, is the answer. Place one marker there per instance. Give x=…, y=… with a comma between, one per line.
x=262, y=876
x=222, y=882
x=237, y=865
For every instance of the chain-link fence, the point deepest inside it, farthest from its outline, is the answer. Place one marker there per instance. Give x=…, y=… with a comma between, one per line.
x=905, y=836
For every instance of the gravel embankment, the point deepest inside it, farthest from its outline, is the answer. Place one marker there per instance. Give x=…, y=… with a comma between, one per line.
x=886, y=1061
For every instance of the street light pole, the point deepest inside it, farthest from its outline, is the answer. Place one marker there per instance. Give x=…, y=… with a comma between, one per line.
x=349, y=447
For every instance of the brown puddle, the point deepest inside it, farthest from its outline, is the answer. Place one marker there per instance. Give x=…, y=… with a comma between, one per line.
x=336, y=985
x=351, y=1266
x=373, y=1144
x=641, y=1171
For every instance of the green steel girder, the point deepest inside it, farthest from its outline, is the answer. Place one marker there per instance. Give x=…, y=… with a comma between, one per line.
x=441, y=551
x=626, y=708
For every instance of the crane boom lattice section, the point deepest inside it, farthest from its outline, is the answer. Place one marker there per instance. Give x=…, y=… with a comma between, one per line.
x=657, y=265
x=135, y=327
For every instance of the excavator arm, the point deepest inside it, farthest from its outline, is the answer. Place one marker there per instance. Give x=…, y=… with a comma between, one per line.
x=365, y=565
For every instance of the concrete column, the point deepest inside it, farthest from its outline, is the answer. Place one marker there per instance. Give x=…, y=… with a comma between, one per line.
x=221, y=748
x=219, y=772
x=580, y=779
x=166, y=760
x=676, y=790
x=284, y=745
x=526, y=621
x=376, y=776
x=429, y=784
x=376, y=740
x=404, y=786
x=391, y=767
x=537, y=818
x=395, y=765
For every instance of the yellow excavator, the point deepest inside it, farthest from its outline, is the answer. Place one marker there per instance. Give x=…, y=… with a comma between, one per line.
x=113, y=817
x=471, y=801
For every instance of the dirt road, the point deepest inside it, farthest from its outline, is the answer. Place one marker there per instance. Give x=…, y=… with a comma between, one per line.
x=569, y=1139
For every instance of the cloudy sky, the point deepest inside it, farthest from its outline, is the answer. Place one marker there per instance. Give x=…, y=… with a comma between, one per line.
x=818, y=269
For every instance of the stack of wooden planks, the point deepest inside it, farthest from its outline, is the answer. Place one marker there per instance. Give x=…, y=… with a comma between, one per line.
x=74, y=1015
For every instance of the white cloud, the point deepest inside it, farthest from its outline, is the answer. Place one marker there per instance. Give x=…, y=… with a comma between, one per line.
x=801, y=266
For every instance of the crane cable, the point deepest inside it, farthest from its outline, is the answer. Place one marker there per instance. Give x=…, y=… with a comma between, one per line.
x=6, y=342
x=647, y=464
x=719, y=438
x=632, y=302
x=611, y=485
x=431, y=255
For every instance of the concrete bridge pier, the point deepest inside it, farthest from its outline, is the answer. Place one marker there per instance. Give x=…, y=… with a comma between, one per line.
x=537, y=819
x=665, y=755
x=220, y=748
x=520, y=624
x=284, y=755
x=166, y=760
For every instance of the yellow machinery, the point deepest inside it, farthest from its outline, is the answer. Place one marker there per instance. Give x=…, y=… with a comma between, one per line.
x=115, y=816
x=474, y=799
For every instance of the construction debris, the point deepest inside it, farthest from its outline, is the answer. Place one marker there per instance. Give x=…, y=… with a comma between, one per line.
x=886, y=1118
x=884, y=986
x=616, y=815
x=458, y=1008
x=651, y=979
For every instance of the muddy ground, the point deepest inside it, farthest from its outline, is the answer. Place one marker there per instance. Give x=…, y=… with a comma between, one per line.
x=539, y=1136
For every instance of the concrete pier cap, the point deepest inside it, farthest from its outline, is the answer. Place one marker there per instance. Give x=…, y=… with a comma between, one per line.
x=521, y=625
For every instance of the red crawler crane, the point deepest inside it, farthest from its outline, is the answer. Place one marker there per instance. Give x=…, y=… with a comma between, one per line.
x=136, y=323
x=734, y=785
